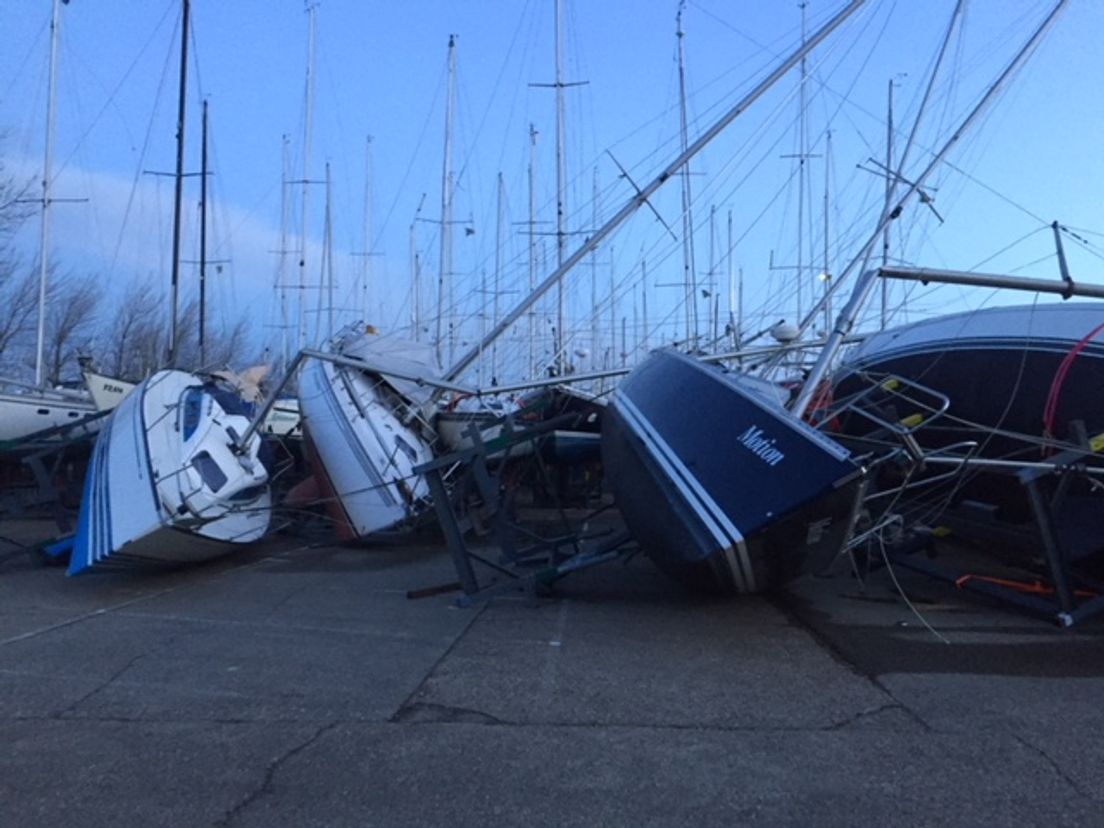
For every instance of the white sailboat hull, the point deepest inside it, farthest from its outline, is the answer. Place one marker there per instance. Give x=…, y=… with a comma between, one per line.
x=107, y=392
x=165, y=485
x=284, y=420
x=22, y=415
x=365, y=456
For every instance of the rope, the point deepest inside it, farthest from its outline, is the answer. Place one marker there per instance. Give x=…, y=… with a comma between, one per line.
x=904, y=597
x=1050, y=411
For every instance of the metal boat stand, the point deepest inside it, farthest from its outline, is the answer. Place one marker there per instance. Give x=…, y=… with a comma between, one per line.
x=476, y=502
x=49, y=456
x=1059, y=598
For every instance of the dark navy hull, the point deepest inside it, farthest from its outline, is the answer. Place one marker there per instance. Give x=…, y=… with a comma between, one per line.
x=721, y=487
x=997, y=367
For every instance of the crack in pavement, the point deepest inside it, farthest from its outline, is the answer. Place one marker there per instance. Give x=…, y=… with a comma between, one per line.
x=266, y=625
x=283, y=602
x=409, y=701
x=429, y=713
x=179, y=720
x=421, y=713
x=870, y=711
x=837, y=655
x=82, y=617
x=908, y=711
x=270, y=773
x=103, y=685
x=1065, y=777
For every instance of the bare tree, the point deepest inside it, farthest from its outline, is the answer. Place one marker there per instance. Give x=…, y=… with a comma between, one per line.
x=136, y=341
x=187, y=337
x=228, y=347
x=15, y=203
x=70, y=322
x=18, y=301
x=129, y=345
x=18, y=287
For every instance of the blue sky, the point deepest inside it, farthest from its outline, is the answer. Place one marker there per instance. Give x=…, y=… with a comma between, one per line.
x=380, y=71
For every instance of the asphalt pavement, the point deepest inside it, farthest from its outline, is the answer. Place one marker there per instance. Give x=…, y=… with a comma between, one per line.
x=297, y=684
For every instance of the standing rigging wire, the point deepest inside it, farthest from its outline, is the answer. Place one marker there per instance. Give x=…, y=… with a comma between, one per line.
x=492, y=98
x=977, y=144
x=816, y=74
x=823, y=361
x=33, y=47
x=88, y=70
x=1074, y=231
x=469, y=155
x=138, y=172
x=633, y=271
x=733, y=165
x=344, y=213
x=1009, y=246
x=411, y=163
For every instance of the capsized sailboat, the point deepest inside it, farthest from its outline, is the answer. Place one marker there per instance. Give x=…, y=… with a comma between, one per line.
x=171, y=481
x=727, y=490
x=1018, y=375
x=363, y=429
x=1021, y=382
x=743, y=500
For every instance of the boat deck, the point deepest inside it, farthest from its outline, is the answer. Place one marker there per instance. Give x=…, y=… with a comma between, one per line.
x=300, y=686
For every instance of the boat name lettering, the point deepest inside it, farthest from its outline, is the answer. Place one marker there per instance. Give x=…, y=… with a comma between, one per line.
x=761, y=446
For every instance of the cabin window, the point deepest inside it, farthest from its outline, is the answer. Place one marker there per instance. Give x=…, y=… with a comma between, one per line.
x=406, y=449
x=73, y=414
x=230, y=402
x=209, y=470
x=193, y=409
x=43, y=411
x=245, y=495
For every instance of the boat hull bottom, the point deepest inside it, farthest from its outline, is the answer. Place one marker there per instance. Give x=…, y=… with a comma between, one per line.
x=165, y=548
x=681, y=545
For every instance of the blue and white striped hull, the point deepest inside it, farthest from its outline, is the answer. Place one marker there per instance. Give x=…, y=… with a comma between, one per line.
x=124, y=522
x=713, y=508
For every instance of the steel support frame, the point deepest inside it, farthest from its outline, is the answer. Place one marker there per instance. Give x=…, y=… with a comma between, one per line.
x=1064, y=609
x=526, y=561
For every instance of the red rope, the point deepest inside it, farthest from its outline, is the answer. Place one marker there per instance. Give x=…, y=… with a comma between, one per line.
x=1050, y=411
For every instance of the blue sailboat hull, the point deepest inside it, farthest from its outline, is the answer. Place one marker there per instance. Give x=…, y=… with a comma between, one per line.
x=721, y=487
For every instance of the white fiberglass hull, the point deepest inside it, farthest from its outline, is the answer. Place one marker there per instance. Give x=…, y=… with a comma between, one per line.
x=166, y=485
x=22, y=415
x=365, y=455
x=284, y=420
x=107, y=392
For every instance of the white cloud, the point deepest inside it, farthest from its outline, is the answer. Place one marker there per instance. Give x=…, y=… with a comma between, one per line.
x=121, y=231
